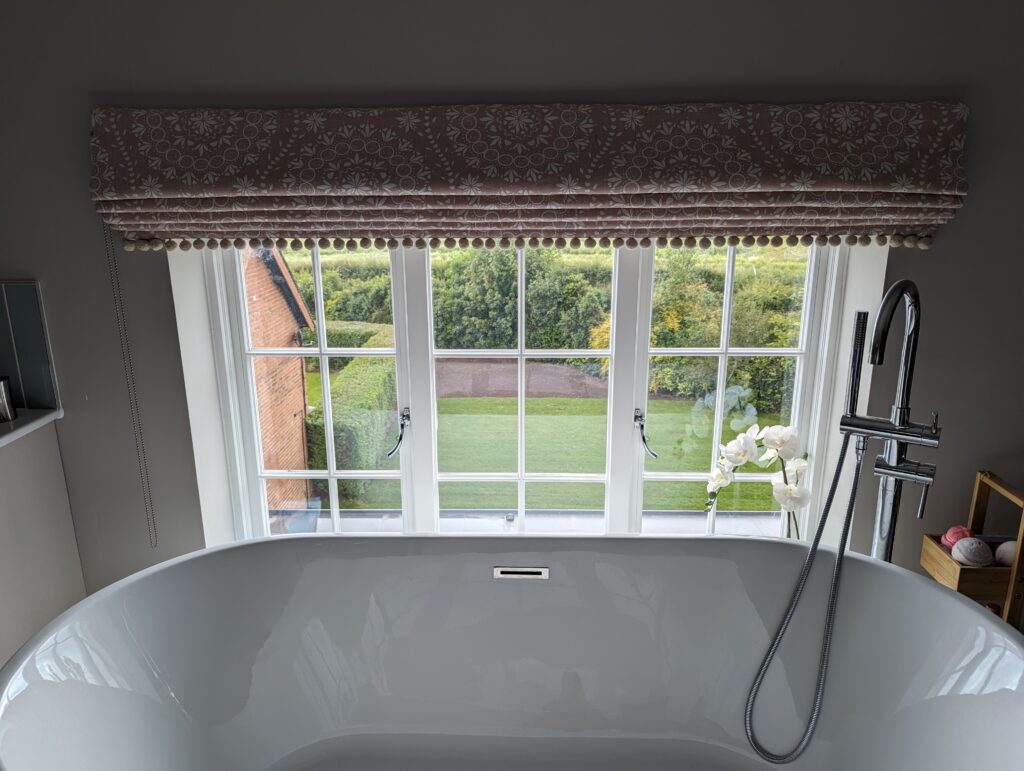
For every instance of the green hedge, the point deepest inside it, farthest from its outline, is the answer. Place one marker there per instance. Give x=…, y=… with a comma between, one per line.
x=363, y=399
x=350, y=334
x=345, y=334
x=355, y=286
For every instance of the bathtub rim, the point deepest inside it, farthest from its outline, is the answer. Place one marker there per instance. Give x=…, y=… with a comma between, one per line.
x=19, y=658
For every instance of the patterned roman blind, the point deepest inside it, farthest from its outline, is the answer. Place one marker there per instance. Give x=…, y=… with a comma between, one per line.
x=694, y=174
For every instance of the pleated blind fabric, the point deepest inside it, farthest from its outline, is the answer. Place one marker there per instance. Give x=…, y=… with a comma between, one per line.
x=498, y=174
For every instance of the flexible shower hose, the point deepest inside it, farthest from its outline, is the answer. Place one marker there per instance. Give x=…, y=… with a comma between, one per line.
x=830, y=615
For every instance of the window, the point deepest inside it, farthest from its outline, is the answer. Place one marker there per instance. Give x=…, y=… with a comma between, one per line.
x=321, y=357
x=521, y=369
x=728, y=335
x=521, y=375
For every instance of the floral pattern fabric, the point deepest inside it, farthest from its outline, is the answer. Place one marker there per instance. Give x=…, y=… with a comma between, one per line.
x=538, y=171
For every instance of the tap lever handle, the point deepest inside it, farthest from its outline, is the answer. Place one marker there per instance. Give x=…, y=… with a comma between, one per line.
x=923, y=501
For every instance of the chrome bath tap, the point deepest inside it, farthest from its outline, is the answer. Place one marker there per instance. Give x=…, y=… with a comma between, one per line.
x=898, y=432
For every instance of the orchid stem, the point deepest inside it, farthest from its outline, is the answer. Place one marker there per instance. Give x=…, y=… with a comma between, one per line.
x=792, y=524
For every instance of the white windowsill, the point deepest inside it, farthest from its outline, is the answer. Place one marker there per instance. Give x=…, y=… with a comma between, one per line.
x=27, y=422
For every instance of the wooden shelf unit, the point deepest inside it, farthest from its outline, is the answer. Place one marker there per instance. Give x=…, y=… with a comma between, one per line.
x=996, y=584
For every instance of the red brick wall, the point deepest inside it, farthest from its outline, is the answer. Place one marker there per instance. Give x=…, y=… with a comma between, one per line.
x=280, y=382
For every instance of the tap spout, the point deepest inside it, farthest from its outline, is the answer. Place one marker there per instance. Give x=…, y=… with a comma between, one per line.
x=906, y=291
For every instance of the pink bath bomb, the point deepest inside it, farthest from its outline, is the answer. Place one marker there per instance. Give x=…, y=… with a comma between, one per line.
x=973, y=552
x=954, y=534
x=1005, y=553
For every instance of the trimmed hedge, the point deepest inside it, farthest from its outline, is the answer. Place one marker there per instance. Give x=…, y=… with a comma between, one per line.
x=341, y=334
x=363, y=399
x=351, y=334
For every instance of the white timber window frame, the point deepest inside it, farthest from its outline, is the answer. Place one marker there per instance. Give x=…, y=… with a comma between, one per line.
x=221, y=392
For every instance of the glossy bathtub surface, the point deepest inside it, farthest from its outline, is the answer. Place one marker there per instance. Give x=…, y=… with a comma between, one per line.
x=406, y=653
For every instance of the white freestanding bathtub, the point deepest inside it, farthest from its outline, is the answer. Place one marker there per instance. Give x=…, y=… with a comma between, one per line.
x=408, y=653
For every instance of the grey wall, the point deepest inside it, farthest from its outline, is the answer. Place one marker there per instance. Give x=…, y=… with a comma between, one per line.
x=40, y=574
x=60, y=61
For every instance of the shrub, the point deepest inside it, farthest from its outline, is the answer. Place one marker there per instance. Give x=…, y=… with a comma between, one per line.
x=475, y=298
x=563, y=308
x=350, y=334
x=356, y=287
x=363, y=399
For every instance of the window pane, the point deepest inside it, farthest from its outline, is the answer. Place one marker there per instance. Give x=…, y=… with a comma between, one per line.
x=364, y=404
x=279, y=297
x=370, y=505
x=681, y=412
x=673, y=508
x=564, y=507
x=689, y=287
x=568, y=298
x=357, y=297
x=768, y=296
x=759, y=389
x=475, y=297
x=478, y=507
x=288, y=399
x=566, y=415
x=477, y=424
x=747, y=508
x=298, y=506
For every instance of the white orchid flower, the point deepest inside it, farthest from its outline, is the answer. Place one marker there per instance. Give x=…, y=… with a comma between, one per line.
x=782, y=442
x=794, y=472
x=721, y=477
x=796, y=468
x=742, y=449
x=791, y=497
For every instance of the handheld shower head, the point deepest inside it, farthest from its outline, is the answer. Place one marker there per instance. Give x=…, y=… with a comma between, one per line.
x=860, y=331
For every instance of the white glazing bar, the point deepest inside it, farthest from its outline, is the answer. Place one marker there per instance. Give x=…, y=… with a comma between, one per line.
x=731, y=351
x=354, y=352
x=477, y=476
x=723, y=361
x=295, y=474
x=325, y=384
x=538, y=476
x=414, y=340
x=305, y=350
x=566, y=353
x=511, y=353
x=511, y=476
x=473, y=353
x=699, y=476
x=308, y=351
x=358, y=474
x=521, y=391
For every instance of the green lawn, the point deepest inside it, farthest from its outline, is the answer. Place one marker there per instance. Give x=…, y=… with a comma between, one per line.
x=478, y=434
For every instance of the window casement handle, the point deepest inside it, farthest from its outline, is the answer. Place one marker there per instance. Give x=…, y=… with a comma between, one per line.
x=638, y=422
x=403, y=421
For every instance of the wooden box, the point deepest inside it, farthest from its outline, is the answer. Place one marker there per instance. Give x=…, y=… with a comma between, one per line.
x=981, y=584
x=998, y=586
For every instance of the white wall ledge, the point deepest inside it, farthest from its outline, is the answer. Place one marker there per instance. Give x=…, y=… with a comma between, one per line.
x=27, y=422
